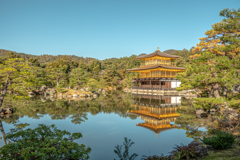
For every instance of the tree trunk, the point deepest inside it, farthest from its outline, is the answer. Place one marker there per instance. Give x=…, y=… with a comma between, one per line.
x=225, y=92
x=209, y=92
x=57, y=82
x=215, y=90
x=4, y=91
x=3, y=133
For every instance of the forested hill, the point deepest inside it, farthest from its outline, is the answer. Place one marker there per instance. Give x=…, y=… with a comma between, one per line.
x=51, y=58
x=46, y=58
x=171, y=51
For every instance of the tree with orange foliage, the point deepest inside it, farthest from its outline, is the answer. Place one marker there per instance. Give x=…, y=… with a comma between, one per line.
x=215, y=68
x=224, y=37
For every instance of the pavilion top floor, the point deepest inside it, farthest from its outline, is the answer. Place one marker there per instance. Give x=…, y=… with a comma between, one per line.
x=157, y=58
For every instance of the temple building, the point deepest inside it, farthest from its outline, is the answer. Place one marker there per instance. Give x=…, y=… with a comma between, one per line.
x=157, y=72
x=157, y=112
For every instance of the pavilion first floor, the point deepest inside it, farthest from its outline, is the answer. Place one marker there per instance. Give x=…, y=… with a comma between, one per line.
x=155, y=83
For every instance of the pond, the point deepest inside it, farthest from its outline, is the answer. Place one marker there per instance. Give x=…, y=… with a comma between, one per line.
x=150, y=122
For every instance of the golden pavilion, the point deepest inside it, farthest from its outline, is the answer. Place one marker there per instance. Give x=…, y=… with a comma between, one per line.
x=157, y=71
x=157, y=117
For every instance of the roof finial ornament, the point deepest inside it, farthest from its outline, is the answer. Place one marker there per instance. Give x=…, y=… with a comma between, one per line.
x=157, y=49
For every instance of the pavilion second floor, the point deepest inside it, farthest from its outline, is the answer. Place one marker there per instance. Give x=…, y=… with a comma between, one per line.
x=156, y=71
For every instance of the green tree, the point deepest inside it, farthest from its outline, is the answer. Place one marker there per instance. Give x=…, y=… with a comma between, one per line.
x=16, y=75
x=54, y=75
x=125, y=155
x=78, y=77
x=93, y=84
x=215, y=67
x=43, y=142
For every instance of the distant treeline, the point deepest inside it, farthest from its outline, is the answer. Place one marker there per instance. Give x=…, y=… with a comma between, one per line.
x=70, y=70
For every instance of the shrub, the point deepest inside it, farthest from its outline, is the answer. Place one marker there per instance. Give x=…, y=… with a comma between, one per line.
x=43, y=143
x=125, y=155
x=183, y=152
x=162, y=157
x=221, y=140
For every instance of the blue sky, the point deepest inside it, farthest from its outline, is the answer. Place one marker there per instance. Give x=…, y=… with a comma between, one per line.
x=105, y=28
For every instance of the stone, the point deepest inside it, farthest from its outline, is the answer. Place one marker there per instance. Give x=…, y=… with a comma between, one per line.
x=52, y=91
x=43, y=88
x=8, y=110
x=52, y=98
x=43, y=99
x=82, y=95
x=47, y=92
x=31, y=93
x=2, y=111
x=75, y=95
x=103, y=91
x=76, y=88
x=201, y=150
x=95, y=95
x=230, y=112
x=212, y=110
x=89, y=98
x=233, y=116
x=195, y=143
x=200, y=113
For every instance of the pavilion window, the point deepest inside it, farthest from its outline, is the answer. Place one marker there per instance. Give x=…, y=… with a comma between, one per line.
x=162, y=101
x=168, y=62
x=167, y=73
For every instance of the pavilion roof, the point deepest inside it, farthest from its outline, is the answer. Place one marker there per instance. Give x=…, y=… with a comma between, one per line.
x=147, y=113
x=154, y=67
x=157, y=53
x=157, y=129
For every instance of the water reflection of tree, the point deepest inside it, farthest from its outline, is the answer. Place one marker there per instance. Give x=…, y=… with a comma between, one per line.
x=188, y=121
x=3, y=133
x=62, y=109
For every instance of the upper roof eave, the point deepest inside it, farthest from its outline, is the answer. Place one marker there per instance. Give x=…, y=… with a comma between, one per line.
x=157, y=66
x=159, y=53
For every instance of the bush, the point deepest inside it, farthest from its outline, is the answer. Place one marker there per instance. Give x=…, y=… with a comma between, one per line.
x=43, y=143
x=184, y=152
x=179, y=152
x=162, y=157
x=125, y=155
x=221, y=140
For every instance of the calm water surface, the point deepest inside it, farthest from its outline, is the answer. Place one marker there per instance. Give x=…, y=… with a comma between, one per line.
x=104, y=122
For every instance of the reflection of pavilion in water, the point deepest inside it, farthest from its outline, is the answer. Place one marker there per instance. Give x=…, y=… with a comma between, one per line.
x=156, y=111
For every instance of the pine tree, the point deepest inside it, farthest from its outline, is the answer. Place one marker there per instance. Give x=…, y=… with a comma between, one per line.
x=78, y=77
x=16, y=74
x=215, y=66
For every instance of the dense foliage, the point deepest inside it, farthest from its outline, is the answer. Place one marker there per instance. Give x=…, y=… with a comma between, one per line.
x=45, y=143
x=125, y=155
x=221, y=140
x=214, y=68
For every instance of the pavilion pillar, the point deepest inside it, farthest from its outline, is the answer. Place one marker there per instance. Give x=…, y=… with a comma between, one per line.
x=161, y=85
x=150, y=83
x=176, y=83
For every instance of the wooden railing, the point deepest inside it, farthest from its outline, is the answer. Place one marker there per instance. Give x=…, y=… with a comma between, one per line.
x=151, y=76
x=148, y=64
x=150, y=87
